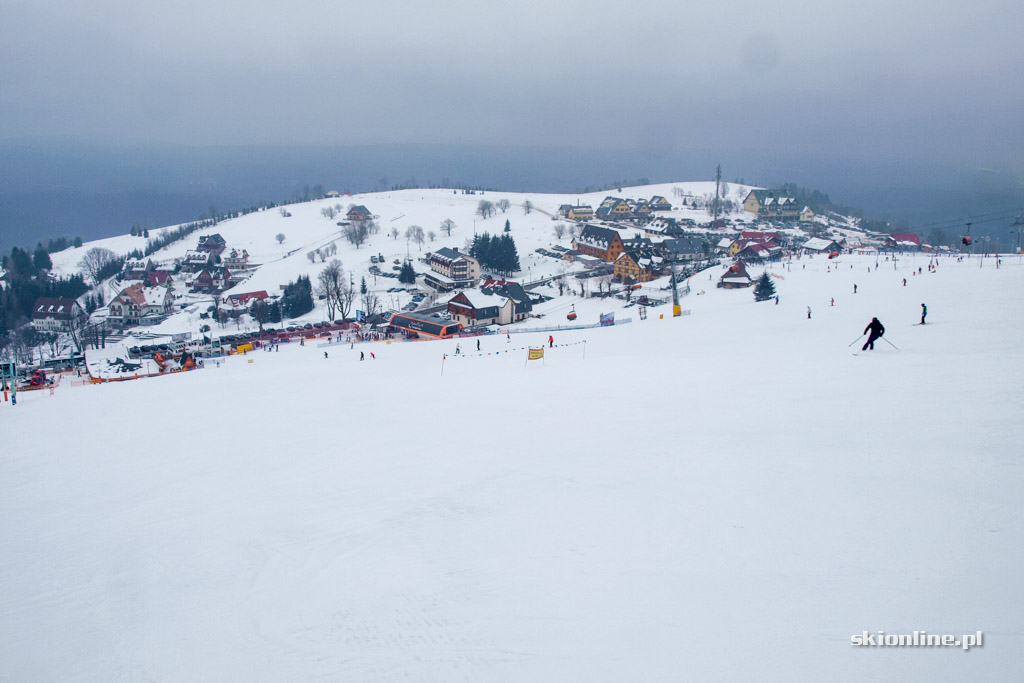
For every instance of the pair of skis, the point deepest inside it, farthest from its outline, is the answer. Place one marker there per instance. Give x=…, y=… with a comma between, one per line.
x=882, y=338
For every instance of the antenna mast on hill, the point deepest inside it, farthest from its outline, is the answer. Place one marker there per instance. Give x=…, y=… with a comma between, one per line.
x=718, y=180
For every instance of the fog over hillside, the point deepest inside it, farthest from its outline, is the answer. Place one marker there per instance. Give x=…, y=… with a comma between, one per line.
x=55, y=187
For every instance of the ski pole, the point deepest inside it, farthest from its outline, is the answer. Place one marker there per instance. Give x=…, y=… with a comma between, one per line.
x=855, y=341
x=890, y=343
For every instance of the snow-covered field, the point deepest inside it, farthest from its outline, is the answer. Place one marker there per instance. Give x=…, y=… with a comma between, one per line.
x=725, y=496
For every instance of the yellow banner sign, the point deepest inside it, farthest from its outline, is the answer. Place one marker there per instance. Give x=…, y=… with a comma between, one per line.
x=536, y=354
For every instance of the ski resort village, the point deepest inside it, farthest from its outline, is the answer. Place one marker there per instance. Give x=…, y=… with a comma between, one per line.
x=407, y=265
x=686, y=431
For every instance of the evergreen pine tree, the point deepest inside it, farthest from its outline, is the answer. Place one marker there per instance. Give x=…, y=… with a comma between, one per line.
x=407, y=275
x=765, y=288
x=513, y=256
x=508, y=227
x=41, y=260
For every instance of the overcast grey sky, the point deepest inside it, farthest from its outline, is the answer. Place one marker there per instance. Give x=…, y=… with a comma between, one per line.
x=942, y=81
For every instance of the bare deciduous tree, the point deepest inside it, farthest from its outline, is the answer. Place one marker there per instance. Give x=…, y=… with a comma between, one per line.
x=559, y=230
x=414, y=233
x=329, y=285
x=94, y=261
x=279, y=237
x=527, y=206
x=446, y=226
x=371, y=303
x=395, y=233
x=356, y=233
x=485, y=209
x=431, y=235
x=311, y=255
x=346, y=297
x=328, y=212
x=503, y=204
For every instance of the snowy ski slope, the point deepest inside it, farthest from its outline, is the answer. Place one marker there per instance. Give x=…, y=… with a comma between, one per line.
x=725, y=496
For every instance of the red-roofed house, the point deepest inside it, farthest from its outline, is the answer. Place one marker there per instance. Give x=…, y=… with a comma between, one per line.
x=158, y=277
x=246, y=297
x=137, y=304
x=760, y=236
x=911, y=237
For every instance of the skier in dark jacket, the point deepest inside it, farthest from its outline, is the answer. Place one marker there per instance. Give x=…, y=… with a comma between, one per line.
x=877, y=330
x=924, y=313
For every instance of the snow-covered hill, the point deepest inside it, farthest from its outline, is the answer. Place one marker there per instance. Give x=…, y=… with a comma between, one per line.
x=307, y=229
x=728, y=495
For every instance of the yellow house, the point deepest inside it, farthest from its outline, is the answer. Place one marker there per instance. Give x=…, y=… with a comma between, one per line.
x=633, y=266
x=752, y=202
x=620, y=210
x=770, y=204
x=580, y=213
x=807, y=215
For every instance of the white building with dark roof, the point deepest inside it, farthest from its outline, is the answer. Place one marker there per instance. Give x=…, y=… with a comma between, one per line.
x=50, y=314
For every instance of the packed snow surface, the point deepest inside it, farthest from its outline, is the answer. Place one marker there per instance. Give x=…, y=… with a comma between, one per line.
x=725, y=496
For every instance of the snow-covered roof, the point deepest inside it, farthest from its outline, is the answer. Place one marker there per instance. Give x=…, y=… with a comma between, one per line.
x=818, y=244
x=478, y=299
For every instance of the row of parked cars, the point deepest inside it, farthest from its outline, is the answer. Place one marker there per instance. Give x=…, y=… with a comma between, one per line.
x=417, y=299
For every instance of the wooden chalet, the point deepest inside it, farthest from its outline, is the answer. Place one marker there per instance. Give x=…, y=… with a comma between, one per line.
x=642, y=210
x=659, y=203
x=612, y=208
x=359, y=213
x=632, y=266
x=603, y=243
x=735, y=276
x=474, y=307
x=212, y=244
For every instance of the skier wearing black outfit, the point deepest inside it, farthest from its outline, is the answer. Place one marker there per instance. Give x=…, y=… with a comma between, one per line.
x=877, y=330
